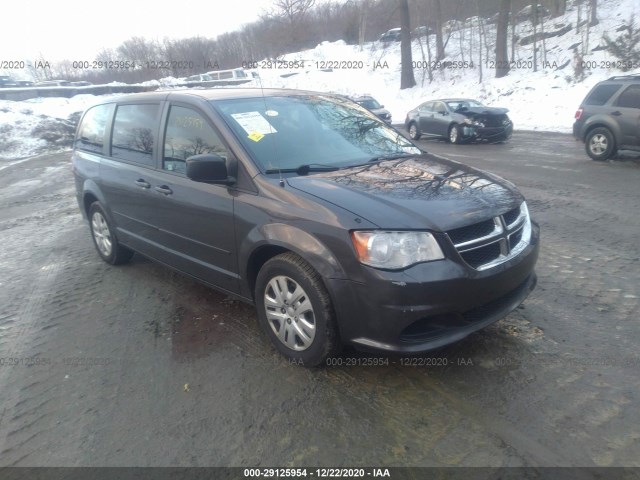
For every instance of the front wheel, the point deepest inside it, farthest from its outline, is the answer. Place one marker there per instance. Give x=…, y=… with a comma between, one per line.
x=414, y=133
x=454, y=134
x=295, y=310
x=600, y=144
x=104, y=238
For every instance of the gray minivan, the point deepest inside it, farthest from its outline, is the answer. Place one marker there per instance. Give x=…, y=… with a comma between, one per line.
x=337, y=228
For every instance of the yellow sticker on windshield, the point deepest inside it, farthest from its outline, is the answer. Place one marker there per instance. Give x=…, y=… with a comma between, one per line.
x=256, y=136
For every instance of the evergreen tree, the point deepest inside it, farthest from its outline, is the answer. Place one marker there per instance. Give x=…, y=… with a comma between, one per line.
x=627, y=46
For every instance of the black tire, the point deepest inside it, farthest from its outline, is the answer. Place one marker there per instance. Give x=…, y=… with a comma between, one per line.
x=600, y=144
x=310, y=338
x=414, y=132
x=104, y=237
x=454, y=136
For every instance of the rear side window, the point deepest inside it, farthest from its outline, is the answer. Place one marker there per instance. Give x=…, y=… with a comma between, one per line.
x=602, y=93
x=91, y=132
x=630, y=98
x=134, y=129
x=188, y=133
x=439, y=107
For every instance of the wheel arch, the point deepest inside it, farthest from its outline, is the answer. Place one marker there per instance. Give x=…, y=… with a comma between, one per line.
x=91, y=193
x=280, y=238
x=600, y=121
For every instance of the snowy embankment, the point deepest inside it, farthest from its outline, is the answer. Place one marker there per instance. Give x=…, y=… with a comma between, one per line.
x=542, y=100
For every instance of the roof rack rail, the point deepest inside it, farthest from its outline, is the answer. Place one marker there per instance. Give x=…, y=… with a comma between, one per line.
x=625, y=77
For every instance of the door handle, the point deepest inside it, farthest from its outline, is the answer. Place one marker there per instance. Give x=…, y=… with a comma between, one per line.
x=617, y=113
x=163, y=189
x=142, y=183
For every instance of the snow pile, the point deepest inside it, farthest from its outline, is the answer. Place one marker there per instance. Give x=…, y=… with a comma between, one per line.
x=40, y=124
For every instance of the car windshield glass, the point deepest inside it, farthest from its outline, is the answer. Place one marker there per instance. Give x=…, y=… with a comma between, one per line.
x=460, y=104
x=285, y=132
x=369, y=103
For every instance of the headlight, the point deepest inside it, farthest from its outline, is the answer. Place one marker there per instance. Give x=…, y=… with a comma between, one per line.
x=475, y=123
x=395, y=250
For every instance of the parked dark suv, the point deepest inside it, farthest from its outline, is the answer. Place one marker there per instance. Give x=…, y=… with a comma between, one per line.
x=608, y=119
x=334, y=225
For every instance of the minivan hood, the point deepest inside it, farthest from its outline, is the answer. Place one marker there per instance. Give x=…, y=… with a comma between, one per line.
x=424, y=191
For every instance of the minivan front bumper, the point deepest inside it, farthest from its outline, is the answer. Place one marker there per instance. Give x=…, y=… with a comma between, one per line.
x=432, y=304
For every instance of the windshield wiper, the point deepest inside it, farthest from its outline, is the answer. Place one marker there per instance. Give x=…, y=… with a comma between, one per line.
x=305, y=169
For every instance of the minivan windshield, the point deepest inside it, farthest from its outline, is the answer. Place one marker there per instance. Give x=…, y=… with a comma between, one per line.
x=284, y=133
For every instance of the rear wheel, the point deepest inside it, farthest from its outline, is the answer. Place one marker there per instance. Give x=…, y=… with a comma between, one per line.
x=295, y=310
x=104, y=238
x=600, y=144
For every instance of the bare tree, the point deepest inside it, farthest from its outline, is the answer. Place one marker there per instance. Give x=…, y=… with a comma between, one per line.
x=502, y=56
x=544, y=42
x=291, y=13
x=423, y=14
x=514, y=37
x=534, y=23
x=407, y=79
x=481, y=37
x=557, y=7
x=594, y=13
x=438, y=20
x=40, y=69
x=362, y=22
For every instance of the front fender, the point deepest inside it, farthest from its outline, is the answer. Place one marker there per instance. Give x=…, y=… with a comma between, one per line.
x=293, y=239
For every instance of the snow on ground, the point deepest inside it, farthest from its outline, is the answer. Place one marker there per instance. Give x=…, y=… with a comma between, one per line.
x=543, y=100
x=33, y=126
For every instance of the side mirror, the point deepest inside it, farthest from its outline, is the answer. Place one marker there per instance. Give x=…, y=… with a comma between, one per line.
x=209, y=168
x=381, y=106
x=442, y=112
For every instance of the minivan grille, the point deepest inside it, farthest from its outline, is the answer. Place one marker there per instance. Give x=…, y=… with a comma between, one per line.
x=511, y=216
x=492, y=242
x=481, y=256
x=464, y=234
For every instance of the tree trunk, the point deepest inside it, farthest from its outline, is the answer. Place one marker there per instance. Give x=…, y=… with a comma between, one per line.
x=407, y=79
x=502, y=55
x=594, y=13
x=543, y=57
x=514, y=37
x=558, y=7
x=439, y=42
x=534, y=22
x=480, y=40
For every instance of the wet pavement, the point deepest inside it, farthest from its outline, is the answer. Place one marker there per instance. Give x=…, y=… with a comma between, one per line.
x=140, y=366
